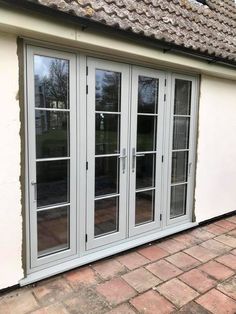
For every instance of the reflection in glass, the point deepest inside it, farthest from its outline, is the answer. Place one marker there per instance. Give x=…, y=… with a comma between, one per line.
x=147, y=94
x=106, y=175
x=182, y=102
x=108, y=90
x=146, y=133
x=106, y=216
x=178, y=200
x=179, y=167
x=144, y=210
x=53, y=230
x=52, y=182
x=52, y=132
x=181, y=133
x=51, y=82
x=145, y=171
x=107, y=134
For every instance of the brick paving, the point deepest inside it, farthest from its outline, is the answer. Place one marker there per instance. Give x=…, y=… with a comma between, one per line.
x=193, y=272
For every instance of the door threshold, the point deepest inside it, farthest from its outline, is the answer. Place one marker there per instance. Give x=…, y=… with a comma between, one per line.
x=89, y=258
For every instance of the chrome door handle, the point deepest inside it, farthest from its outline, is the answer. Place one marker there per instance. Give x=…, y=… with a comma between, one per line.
x=123, y=157
x=134, y=155
x=34, y=183
x=189, y=168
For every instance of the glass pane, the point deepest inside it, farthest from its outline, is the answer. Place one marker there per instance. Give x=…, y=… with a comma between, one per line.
x=107, y=134
x=147, y=94
x=144, y=210
x=53, y=230
x=182, y=104
x=179, y=167
x=178, y=200
x=181, y=133
x=106, y=216
x=146, y=133
x=106, y=175
x=52, y=182
x=52, y=134
x=51, y=82
x=108, y=90
x=145, y=171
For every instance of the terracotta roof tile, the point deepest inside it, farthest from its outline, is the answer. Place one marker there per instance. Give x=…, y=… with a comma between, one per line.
x=207, y=28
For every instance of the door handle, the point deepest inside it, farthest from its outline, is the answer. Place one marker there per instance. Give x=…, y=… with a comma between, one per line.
x=34, y=183
x=123, y=158
x=189, y=168
x=134, y=155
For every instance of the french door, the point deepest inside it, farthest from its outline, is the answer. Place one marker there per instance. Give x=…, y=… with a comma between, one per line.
x=125, y=131
x=146, y=133
x=107, y=149
x=126, y=173
x=51, y=86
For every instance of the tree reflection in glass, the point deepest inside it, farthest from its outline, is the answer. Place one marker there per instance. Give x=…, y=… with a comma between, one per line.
x=51, y=79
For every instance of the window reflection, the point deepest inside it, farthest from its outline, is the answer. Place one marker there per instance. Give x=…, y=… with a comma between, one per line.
x=147, y=94
x=52, y=132
x=51, y=81
x=108, y=90
x=182, y=102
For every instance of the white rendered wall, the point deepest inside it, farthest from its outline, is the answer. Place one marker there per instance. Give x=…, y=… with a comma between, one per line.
x=10, y=194
x=216, y=159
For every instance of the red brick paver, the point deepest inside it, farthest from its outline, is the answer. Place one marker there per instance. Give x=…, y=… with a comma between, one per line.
x=228, y=287
x=152, y=303
x=228, y=260
x=133, y=260
x=217, y=270
x=82, y=276
x=109, y=268
x=153, y=252
x=200, y=253
x=216, y=247
x=172, y=246
x=183, y=261
x=141, y=279
x=116, y=291
x=227, y=239
x=164, y=270
x=225, y=224
x=190, y=273
x=52, y=309
x=198, y=280
x=177, y=292
x=217, y=303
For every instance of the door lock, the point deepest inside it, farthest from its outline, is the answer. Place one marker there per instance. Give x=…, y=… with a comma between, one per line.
x=123, y=158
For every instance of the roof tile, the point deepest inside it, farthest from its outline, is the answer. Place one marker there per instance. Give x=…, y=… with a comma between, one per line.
x=207, y=28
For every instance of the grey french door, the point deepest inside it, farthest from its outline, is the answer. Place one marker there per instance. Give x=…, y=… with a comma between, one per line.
x=124, y=151
x=51, y=86
x=146, y=134
x=107, y=151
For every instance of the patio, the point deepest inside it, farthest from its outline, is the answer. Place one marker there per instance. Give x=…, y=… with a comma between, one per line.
x=191, y=272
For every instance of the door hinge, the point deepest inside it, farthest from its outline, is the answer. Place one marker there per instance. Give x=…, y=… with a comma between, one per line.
x=160, y=217
x=86, y=89
x=86, y=238
x=86, y=165
x=86, y=70
x=164, y=97
x=165, y=82
x=162, y=158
